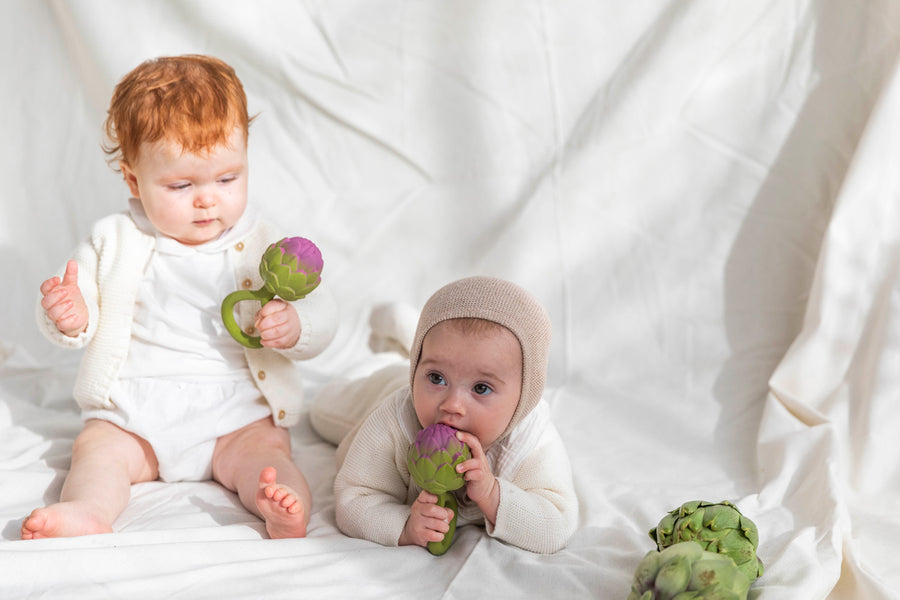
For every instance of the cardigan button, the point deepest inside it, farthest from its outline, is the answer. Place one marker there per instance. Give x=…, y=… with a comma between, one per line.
x=239, y=246
x=281, y=415
x=251, y=330
x=247, y=284
x=261, y=375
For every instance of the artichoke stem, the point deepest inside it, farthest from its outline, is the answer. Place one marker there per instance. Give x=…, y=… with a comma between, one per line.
x=445, y=500
x=262, y=294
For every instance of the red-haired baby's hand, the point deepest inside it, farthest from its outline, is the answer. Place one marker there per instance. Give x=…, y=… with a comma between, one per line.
x=63, y=302
x=278, y=324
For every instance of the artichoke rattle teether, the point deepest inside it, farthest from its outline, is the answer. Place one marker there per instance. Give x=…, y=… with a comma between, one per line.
x=291, y=268
x=432, y=461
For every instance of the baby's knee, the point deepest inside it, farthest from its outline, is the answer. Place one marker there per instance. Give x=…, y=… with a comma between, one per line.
x=99, y=435
x=259, y=436
x=115, y=446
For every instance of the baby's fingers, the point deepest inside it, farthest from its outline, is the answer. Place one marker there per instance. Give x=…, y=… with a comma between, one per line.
x=427, y=521
x=68, y=323
x=425, y=497
x=472, y=469
x=49, y=285
x=70, y=277
x=434, y=514
x=271, y=307
x=67, y=318
x=54, y=297
x=472, y=442
x=433, y=528
x=435, y=534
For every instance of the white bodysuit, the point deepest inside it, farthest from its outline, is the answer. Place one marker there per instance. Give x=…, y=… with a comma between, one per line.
x=185, y=382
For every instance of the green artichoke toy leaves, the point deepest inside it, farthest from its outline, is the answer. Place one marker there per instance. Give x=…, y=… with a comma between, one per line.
x=432, y=459
x=717, y=527
x=685, y=571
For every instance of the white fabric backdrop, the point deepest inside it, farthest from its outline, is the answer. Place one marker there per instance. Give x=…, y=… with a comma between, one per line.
x=704, y=194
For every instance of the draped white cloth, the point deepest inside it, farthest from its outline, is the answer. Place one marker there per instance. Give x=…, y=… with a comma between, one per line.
x=704, y=195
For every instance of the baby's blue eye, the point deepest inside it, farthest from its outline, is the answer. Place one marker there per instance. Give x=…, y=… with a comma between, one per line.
x=179, y=186
x=436, y=378
x=482, y=389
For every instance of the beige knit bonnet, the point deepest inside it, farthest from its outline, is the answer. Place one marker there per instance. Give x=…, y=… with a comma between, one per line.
x=506, y=304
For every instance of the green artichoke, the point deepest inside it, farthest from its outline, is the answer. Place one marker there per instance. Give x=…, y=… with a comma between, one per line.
x=290, y=268
x=685, y=571
x=717, y=527
x=432, y=459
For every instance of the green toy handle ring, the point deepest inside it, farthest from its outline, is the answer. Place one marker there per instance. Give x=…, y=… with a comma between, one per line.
x=290, y=268
x=250, y=341
x=445, y=500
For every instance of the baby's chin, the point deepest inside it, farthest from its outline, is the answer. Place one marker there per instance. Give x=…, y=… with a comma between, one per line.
x=203, y=235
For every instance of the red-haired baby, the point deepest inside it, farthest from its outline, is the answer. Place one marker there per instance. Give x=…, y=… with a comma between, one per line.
x=165, y=392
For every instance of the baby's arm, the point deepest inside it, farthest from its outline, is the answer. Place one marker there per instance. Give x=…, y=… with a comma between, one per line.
x=538, y=508
x=371, y=493
x=64, y=303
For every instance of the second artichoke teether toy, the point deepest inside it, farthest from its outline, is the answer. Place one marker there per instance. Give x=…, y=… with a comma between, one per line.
x=432, y=461
x=290, y=268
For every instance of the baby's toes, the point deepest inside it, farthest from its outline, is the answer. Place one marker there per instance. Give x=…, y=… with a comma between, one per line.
x=291, y=504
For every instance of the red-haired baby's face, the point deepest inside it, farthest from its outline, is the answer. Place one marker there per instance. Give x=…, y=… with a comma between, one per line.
x=192, y=198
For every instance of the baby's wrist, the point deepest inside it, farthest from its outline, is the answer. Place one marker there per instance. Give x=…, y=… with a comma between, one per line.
x=73, y=333
x=404, y=539
x=490, y=502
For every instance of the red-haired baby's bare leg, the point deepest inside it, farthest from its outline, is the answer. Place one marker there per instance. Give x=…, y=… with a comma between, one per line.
x=255, y=461
x=106, y=460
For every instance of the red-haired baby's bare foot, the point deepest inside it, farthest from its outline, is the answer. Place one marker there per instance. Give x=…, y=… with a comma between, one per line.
x=280, y=507
x=64, y=519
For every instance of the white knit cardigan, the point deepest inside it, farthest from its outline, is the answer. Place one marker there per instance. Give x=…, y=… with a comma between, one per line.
x=111, y=264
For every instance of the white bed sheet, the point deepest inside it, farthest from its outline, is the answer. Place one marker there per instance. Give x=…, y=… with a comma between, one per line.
x=704, y=194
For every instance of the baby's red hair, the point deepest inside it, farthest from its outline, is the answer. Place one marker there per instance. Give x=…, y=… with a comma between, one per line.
x=193, y=100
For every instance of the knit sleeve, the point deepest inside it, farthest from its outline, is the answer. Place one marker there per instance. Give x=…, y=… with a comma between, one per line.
x=318, y=324
x=538, y=508
x=372, y=487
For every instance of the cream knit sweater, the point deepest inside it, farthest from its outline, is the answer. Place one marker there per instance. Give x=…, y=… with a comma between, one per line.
x=373, y=489
x=110, y=266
